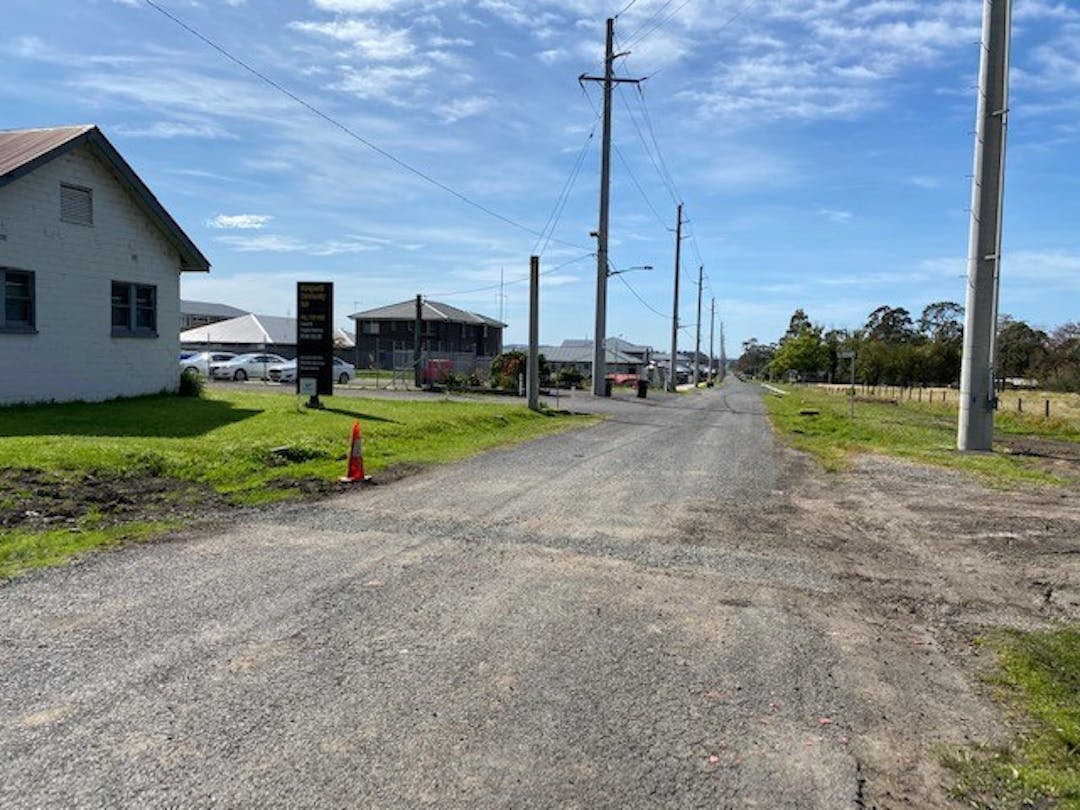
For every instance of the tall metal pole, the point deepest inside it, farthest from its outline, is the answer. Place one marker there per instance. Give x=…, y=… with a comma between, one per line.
x=599, y=365
x=975, y=430
x=712, y=328
x=697, y=336
x=675, y=306
x=533, y=380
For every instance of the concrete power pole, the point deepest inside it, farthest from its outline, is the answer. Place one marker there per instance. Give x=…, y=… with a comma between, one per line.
x=533, y=378
x=599, y=366
x=675, y=306
x=697, y=336
x=712, y=328
x=978, y=401
x=416, y=340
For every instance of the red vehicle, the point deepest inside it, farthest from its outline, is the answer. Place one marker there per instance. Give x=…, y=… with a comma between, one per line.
x=629, y=380
x=435, y=370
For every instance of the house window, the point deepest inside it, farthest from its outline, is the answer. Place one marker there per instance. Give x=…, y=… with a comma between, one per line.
x=17, y=288
x=76, y=205
x=370, y=327
x=134, y=309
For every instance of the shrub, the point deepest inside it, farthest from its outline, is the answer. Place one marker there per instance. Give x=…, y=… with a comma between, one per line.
x=191, y=384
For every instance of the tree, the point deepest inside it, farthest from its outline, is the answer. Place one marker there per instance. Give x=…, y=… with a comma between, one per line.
x=1020, y=349
x=805, y=352
x=1060, y=368
x=506, y=368
x=890, y=325
x=754, y=358
x=942, y=321
x=798, y=324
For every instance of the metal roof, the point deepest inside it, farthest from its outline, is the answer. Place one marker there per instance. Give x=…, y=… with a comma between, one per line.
x=430, y=311
x=584, y=354
x=24, y=150
x=255, y=329
x=188, y=307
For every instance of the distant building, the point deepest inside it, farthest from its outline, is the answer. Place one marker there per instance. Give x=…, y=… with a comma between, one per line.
x=90, y=266
x=385, y=336
x=620, y=356
x=256, y=333
x=201, y=313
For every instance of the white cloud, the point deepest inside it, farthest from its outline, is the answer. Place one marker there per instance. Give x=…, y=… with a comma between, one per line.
x=276, y=243
x=836, y=215
x=239, y=221
x=173, y=129
x=369, y=40
x=462, y=108
x=394, y=85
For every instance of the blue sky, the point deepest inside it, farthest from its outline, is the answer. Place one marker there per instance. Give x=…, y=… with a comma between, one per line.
x=822, y=149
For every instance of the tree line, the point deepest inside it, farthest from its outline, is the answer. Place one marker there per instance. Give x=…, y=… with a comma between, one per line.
x=893, y=348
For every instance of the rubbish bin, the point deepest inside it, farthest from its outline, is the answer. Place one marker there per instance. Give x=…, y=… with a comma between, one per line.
x=607, y=388
x=642, y=388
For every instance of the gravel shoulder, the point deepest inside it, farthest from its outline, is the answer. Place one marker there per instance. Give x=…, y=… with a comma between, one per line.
x=665, y=609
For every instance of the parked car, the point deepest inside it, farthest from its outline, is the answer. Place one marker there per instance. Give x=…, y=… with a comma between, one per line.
x=286, y=372
x=245, y=366
x=200, y=362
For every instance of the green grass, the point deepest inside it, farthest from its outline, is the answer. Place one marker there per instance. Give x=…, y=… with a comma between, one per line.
x=917, y=432
x=227, y=441
x=21, y=550
x=1038, y=679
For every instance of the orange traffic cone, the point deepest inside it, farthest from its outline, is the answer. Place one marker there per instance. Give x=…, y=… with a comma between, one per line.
x=356, y=457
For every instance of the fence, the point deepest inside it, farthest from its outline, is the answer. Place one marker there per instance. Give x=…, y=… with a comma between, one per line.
x=1043, y=404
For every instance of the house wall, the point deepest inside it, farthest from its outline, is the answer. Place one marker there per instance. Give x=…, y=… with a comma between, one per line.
x=436, y=337
x=73, y=355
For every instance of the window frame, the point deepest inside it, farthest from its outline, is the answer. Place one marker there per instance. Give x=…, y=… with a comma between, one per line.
x=18, y=327
x=132, y=307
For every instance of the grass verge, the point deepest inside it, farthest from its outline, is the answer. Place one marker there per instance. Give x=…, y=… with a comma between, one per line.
x=819, y=423
x=86, y=467
x=1038, y=679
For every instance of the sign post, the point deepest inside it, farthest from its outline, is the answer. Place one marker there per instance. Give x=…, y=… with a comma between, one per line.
x=315, y=340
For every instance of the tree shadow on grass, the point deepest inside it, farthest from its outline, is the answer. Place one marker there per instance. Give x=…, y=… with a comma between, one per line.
x=160, y=416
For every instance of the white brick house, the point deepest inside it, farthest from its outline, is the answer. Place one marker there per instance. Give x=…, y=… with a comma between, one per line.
x=90, y=268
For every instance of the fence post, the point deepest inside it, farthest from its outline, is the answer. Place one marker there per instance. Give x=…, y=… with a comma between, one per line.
x=931, y=395
x=1047, y=409
x=1019, y=405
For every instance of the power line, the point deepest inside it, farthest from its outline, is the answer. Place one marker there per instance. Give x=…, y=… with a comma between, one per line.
x=660, y=24
x=650, y=18
x=563, y=198
x=352, y=134
x=511, y=281
x=644, y=303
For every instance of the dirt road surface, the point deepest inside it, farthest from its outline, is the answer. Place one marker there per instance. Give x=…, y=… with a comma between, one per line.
x=663, y=610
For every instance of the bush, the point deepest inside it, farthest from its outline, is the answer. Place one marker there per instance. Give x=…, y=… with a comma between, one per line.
x=191, y=384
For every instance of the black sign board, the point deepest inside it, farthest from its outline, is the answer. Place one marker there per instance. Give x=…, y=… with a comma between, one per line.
x=315, y=336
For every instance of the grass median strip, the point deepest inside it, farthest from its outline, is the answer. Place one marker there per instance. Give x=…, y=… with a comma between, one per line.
x=919, y=432
x=76, y=476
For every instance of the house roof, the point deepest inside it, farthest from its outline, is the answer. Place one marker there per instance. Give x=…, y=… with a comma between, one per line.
x=209, y=308
x=254, y=329
x=430, y=311
x=583, y=354
x=611, y=343
x=24, y=150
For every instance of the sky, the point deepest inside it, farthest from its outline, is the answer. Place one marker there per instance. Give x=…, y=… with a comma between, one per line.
x=822, y=150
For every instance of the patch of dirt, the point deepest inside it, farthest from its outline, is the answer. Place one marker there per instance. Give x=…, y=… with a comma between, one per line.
x=927, y=560
x=1055, y=456
x=38, y=501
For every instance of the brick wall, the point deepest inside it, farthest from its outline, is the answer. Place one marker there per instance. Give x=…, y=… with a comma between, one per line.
x=73, y=355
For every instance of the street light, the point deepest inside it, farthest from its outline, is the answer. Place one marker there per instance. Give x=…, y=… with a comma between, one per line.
x=611, y=272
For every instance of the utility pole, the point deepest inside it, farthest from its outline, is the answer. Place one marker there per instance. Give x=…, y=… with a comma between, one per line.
x=599, y=366
x=723, y=354
x=675, y=306
x=712, y=327
x=533, y=378
x=978, y=400
x=416, y=340
x=697, y=336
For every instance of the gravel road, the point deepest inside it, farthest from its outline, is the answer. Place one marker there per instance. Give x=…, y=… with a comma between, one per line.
x=638, y=614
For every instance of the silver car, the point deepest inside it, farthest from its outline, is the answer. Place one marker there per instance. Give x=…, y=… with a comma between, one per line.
x=200, y=362
x=245, y=366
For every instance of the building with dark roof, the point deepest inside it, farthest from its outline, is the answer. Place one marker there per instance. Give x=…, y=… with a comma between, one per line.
x=89, y=258
x=201, y=313
x=445, y=331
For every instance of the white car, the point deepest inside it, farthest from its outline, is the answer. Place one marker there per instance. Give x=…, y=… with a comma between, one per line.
x=286, y=372
x=200, y=362
x=245, y=366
